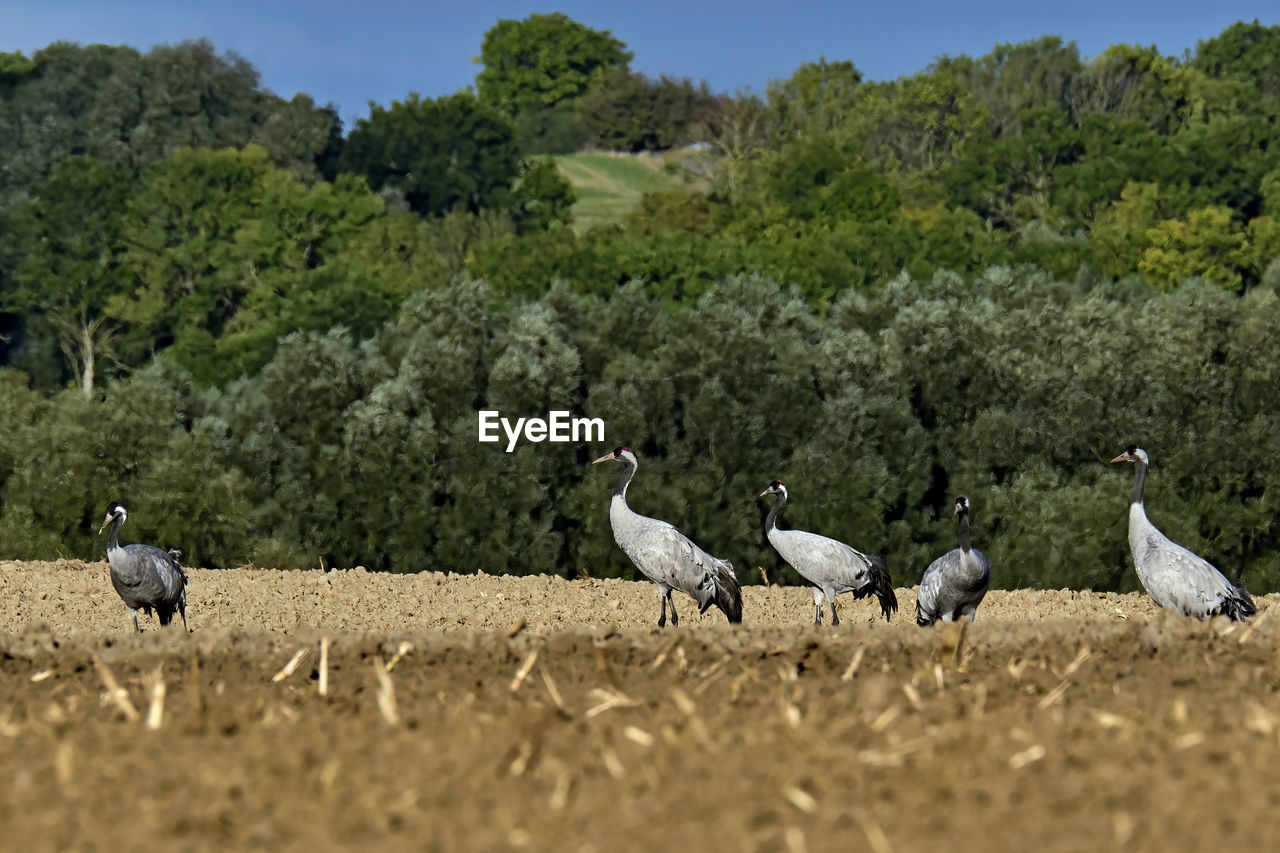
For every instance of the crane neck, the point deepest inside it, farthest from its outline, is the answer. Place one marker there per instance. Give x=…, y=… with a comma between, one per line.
x=113, y=541
x=624, y=479
x=1139, y=480
x=962, y=529
x=772, y=518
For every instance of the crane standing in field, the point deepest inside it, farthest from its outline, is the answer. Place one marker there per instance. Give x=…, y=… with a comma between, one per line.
x=145, y=576
x=666, y=556
x=831, y=566
x=954, y=584
x=1172, y=575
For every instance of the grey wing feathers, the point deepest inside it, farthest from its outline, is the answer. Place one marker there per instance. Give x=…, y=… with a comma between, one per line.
x=950, y=589
x=668, y=557
x=826, y=562
x=147, y=577
x=1183, y=581
x=930, y=587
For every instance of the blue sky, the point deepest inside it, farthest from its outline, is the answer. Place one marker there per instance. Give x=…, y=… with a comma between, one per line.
x=352, y=52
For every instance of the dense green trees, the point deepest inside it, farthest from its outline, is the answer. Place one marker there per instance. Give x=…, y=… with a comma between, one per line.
x=446, y=154
x=1014, y=389
x=564, y=84
x=209, y=255
x=630, y=112
x=987, y=277
x=542, y=60
x=64, y=252
x=129, y=109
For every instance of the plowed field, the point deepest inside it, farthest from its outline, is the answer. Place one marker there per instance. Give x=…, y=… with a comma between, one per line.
x=480, y=713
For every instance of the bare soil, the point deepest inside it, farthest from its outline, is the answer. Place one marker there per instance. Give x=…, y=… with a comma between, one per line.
x=482, y=713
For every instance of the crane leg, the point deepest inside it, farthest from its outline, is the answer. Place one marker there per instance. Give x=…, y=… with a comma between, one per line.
x=835, y=619
x=137, y=629
x=817, y=606
x=675, y=620
x=662, y=620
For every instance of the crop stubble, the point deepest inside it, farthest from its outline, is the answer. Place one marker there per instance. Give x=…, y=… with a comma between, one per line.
x=479, y=712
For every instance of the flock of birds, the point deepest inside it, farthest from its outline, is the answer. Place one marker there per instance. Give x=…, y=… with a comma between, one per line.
x=952, y=586
x=148, y=578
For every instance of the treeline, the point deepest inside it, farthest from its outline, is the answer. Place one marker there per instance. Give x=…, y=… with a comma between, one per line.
x=1014, y=389
x=271, y=340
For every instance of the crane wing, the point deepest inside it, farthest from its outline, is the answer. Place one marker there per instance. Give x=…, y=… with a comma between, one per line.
x=155, y=572
x=1186, y=582
x=824, y=561
x=667, y=556
x=950, y=586
x=833, y=566
x=931, y=588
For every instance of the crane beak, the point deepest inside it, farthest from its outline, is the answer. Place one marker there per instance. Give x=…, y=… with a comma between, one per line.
x=608, y=457
x=104, y=525
x=1123, y=457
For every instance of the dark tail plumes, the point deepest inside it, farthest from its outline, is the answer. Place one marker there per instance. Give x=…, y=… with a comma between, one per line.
x=1239, y=607
x=728, y=591
x=882, y=586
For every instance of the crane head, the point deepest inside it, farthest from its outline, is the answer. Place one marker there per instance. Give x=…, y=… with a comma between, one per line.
x=1133, y=453
x=114, y=509
x=962, y=505
x=622, y=454
x=775, y=488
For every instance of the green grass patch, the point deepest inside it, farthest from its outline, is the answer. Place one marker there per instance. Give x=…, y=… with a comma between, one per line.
x=609, y=186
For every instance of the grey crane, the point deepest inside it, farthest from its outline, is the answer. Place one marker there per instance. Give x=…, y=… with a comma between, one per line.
x=1172, y=575
x=666, y=556
x=831, y=566
x=145, y=576
x=954, y=584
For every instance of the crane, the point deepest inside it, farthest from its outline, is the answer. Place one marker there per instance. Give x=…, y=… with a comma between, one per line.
x=145, y=576
x=666, y=556
x=831, y=566
x=1173, y=576
x=954, y=584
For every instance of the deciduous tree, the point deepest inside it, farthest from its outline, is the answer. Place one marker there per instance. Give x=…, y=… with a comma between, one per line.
x=64, y=253
x=543, y=60
x=447, y=154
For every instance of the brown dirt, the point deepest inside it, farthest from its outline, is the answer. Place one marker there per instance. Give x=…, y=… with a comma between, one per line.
x=1067, y=721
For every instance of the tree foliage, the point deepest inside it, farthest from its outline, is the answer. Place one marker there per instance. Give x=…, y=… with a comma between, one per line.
x=816, y=98
x=1015, y=78
x=65, y=253
x=128, y=109
x=875, y=415
x=211, y=256
x=543, y=60
x=985, y=278
x=441, y=155
x=630, y=112
x=1244, y=50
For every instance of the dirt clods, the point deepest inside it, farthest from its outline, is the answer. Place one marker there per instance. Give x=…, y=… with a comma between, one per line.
x=322, y=710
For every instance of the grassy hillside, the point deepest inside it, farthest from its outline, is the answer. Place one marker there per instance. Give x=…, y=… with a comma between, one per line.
x=610, y=185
